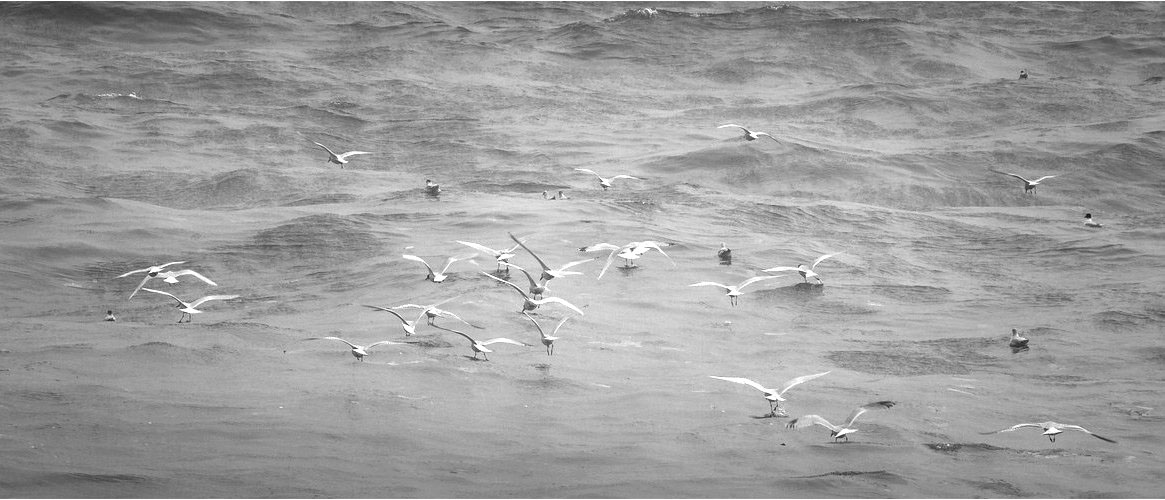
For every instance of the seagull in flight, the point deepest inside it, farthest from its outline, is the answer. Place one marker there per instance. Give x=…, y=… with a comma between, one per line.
x=1027, y=184
x=1051, y=429
x=437, y=277
x=603, y=181
x=171, y=277
x=152, y=270
x=358, y=351
x=806, y=272
x=410, y=327
x=480, y=346
x=774, y=396
x=734, y=291
x=628, y=252
x=548, y=273
x=748, y=134
x=838, y=431
x=537, y=288
x=502, y=256
x=189, y=308
x=432, y=312
x=340, y=159
x=529, y=303
x=547, y=340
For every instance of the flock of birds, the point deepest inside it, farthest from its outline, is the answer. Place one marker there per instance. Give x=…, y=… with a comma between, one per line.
x=535, y=295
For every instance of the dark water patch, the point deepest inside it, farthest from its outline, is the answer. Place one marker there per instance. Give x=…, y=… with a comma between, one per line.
x=1124, y=321
x=913, y=293
x=953, y=448
x=998, y=488
x=41, y=396
x=323, y=199
x=877, y=474
x=928, y=357
x=310, y=239
x=107, y=478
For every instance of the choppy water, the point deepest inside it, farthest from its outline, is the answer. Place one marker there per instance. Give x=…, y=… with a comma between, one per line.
x=139, y=133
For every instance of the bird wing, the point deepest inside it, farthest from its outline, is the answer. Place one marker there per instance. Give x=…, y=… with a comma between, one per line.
x=481, y=248
x=1017, y=176
x=455, y=258
x=745, y=381
x=532, y=254
x=754, y=279
x=1086, y=431
x=350, y=153
x=515, y=287
x=354, y=346
x=163, y=266
x=809, y=420
x=446, y=314
x=733, y=125
x=710, y=283
x=325, y=148
x=557, y=300
x=624, y=176
x=533, y=283
x=600, y=246
x=382, y=342
x=134, y=271
x=459, y=333
x=659, y=247
x=168, y=295
x=610, y=260
x=560, y=323
x=502, y=340
x=532, y=320
x=779, y=269
x=589, y=171
x=387, y=310
x=1037, y=181
x=878, y=405
x=418, y=259
x=801, y=380
x=575, y=263
x=212, y=297
x=140, y=285
x=189, y=272
x=823, y=257
x=1017, y=426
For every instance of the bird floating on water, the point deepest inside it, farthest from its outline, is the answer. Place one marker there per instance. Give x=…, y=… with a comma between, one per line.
x=734, y=291
x=1028, y=185
x=547, y=340
x=480, y=346
x=1016, y=339
x=724, y=253
x=604, y=182
x=434, y=276
x=109, y=316
x=805, y=272
x=359, y=351
x=340, y=159
x=189, y=308
x=1051, y=429
x=1088, y=222
x=838, y=431
x=749, y=135
x=1023, y=74
x=432, y=188
x=774, y=396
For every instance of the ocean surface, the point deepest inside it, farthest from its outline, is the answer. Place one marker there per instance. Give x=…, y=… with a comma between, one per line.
x=136, y=134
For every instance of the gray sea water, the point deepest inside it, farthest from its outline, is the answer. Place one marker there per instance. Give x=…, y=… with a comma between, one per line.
x=134, y=134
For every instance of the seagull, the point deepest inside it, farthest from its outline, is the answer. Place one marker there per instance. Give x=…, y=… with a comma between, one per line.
x=1016, y=340
x=1089, y=222
x=340, y=159
x=560, y=196
x=734, y=291
x=724, y=253
x=1027, y=185
x=432, y=312
x=503, y=256
x=748, y=134
x=547, y=340
x=773, y=395
x=109, y=316
x=605, y=182
x=432, y=187
x=537, y=288
x=548, y=273
x=530, y=304
x=153, y=270
x=359, y=351
x=1051, y=429
x=806, y=272
x=171, y=277
x=437, y=277
x=480, y=347
x=410, y=327
x=628, y=252
x=188, y=309
x=838, y=432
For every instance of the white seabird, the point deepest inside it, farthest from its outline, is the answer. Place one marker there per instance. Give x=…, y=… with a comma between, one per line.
x=774, y=396
x=838, y=431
